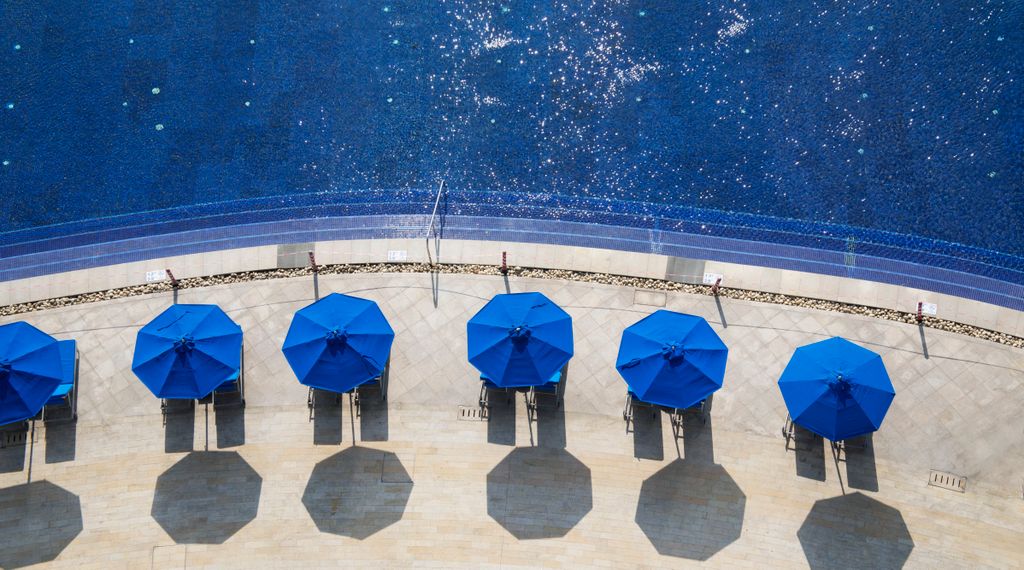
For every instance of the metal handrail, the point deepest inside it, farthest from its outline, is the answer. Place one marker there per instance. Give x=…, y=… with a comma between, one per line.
x=432, y=227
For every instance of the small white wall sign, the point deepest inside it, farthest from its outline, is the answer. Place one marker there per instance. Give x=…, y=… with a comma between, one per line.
x=397, y=255
x=930, y=309
x=711, y=278
x=157, y=275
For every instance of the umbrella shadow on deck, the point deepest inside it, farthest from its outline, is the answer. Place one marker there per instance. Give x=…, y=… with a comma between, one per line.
x=206, y=497
x=539, y=492
x=854, y=531
x=691, y=508
x=357, y=492
x=42, y=519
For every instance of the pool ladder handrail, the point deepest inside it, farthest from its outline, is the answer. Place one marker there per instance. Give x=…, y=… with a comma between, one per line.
x=432, y=228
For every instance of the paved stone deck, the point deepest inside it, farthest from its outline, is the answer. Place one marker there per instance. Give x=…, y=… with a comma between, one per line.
x=408, y=483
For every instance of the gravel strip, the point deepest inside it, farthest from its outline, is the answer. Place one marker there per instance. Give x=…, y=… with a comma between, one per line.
x=580, y=276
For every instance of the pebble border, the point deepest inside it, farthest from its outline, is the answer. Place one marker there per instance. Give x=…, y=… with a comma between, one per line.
x=530, y=272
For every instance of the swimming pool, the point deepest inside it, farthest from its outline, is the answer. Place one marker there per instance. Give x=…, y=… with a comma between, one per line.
x=849, y=127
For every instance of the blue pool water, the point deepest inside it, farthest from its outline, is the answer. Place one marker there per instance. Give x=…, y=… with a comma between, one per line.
x=836, y=119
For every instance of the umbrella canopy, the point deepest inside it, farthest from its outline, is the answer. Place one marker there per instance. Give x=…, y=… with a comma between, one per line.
x=30, y=371
x=187, y=351
x=836, y=389
x=520, y=339
x=672, y=359
x=338, y=343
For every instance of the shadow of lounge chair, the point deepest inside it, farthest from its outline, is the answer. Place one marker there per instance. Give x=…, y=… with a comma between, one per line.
x=356, y=394
x=677, y=415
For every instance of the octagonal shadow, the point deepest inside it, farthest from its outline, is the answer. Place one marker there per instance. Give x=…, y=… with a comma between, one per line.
x=691, y=509
x=206, y=497
x=357, y=492
x=40, y=521
x=539, y=492
x=854, y=531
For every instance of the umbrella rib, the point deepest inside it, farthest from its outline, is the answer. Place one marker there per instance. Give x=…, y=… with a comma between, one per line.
x=491, y=346
x=33, y=351
x=174, y=322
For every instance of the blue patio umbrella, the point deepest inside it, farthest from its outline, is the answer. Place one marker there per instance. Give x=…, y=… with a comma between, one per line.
x=187, y=351
x=836, y=389
x=338, y=343
x=520, y=339
x=30, y=371
x=672, y=359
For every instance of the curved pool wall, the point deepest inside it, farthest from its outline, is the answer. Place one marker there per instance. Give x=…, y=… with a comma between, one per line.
x=828, y=249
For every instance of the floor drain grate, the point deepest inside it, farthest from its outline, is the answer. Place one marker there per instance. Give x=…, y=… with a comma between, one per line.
x=948, y=481
x=472, y=414
x=13, y=438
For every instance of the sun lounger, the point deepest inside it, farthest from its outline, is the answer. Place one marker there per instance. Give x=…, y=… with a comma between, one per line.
x=175, y=405
x=378, y=383
x=677, y=415
x=232, y=391
x=553, y=388
x=62, y=403
x=487, y=386
x=700, y=409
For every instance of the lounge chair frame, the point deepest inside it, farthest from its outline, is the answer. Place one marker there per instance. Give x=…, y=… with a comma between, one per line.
x=240, y=382
x=487, y=387
x=380, y=384
x=677, y=416
x=356, y=395
x=70, y=400
x=555, y=390
x=170, y=406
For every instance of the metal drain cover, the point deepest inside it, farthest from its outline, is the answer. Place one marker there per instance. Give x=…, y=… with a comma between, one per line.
x=472, y=414
x=948, y=481
x=18, y=437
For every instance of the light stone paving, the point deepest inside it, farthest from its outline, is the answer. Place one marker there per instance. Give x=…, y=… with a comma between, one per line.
x=407, y=483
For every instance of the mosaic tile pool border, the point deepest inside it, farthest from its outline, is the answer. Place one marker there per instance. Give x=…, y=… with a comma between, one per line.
x=857, y=253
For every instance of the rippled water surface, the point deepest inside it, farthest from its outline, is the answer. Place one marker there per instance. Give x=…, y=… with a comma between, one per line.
x=903, y=116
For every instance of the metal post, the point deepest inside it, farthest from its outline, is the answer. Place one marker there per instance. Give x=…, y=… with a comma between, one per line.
x=714, y=288
x=316, y=276
x=920, y=312
x=504, y=263
x=174, y=282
